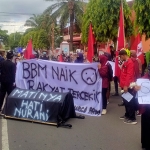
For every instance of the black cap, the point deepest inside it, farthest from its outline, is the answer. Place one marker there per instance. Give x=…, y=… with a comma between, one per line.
x=10, y=55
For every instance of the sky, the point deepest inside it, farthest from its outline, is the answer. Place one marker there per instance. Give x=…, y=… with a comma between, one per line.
x=15, y=22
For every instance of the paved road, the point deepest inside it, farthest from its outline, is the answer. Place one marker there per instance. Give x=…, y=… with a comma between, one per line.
x=94, y=133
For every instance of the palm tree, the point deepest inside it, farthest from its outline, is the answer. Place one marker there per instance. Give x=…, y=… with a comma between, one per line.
x=64, y=10
x=46, y=22
x=33, y=21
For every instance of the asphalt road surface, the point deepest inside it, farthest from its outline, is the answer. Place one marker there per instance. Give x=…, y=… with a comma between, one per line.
x=93, y=133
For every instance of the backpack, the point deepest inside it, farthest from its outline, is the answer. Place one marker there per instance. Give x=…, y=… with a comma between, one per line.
x=110, y=72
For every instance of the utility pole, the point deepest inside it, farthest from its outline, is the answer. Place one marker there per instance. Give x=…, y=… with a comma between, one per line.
x=71, y=13
x=52, y=35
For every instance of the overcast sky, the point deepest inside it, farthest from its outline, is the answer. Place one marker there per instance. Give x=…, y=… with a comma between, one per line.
x=13, y=22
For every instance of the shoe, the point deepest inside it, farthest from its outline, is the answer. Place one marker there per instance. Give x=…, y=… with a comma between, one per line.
x=104, y=112
x=138, y=114
x=130, y=122
x=122, y=104
x=1, y=114
x=116, y=94
x=122, y=117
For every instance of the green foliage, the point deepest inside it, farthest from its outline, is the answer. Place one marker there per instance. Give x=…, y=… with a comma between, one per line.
x=39, y=39
x=4, y=36
x=34, y=21
x=60, y=10
x=42, y=25
x=42, y=40
x=142, y=22
x=14, y=39
x=104, y=15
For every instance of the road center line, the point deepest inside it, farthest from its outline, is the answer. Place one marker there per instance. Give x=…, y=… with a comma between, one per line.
x=5, y=142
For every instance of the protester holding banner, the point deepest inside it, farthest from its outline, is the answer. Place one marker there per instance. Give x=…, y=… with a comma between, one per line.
x=103, y=71
x=127, y=77
x=8, y=70
x=145, y=118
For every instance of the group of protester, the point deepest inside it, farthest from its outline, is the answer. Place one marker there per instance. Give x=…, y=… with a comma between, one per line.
x=131, y=70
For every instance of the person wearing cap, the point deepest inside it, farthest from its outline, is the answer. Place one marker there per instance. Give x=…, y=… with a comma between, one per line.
x=7, y=77
x=127, y=77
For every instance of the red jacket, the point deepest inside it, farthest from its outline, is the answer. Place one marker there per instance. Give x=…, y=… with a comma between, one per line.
x=127, y=73
x=103, y=71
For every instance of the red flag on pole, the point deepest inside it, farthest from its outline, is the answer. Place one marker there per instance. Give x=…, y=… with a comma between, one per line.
x=137, y=46
x=28, y=51
x=91, y=42
x=120, y=41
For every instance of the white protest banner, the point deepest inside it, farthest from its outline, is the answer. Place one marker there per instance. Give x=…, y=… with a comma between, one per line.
x=144, y=92
x=81, y=80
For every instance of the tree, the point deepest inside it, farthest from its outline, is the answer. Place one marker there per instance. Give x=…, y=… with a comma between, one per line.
x=64, y=10
x=142, y=21
x=39, y=39
x=4, y=36
x=42, y=39
x=61, y=10
x=34, y=21
x=14, y=40
x=44, y=21
x=104, y=15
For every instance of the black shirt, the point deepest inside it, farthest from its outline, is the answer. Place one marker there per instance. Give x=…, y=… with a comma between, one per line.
x=8, y=71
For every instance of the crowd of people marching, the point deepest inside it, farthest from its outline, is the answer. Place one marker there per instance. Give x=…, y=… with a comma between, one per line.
x=131, y=70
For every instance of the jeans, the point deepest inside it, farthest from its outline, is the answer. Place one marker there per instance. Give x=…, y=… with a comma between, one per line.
x=104, y=97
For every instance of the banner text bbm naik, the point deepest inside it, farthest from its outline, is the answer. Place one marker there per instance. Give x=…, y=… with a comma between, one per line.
x=81, y=80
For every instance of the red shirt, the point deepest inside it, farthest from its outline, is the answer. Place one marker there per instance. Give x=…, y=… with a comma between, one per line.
x=127, y=73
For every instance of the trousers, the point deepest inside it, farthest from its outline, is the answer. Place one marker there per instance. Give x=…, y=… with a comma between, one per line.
x=6, y=88
x=104, y=97
x=130, y=106
x=116, y=84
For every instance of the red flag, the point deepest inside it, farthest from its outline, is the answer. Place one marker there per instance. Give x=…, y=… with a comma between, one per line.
x=120, y=41
x=137, y=45
x=60, y=58
x=91, y=42
x=28, y=51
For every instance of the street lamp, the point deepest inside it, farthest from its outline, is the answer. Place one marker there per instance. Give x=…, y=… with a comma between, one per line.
x=71, y=13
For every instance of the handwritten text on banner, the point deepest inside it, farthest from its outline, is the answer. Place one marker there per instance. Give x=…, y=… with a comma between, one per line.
x=81, y=80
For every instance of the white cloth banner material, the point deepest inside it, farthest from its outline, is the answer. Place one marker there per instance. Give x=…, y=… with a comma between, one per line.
x=144, y=92
x=81, y=80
